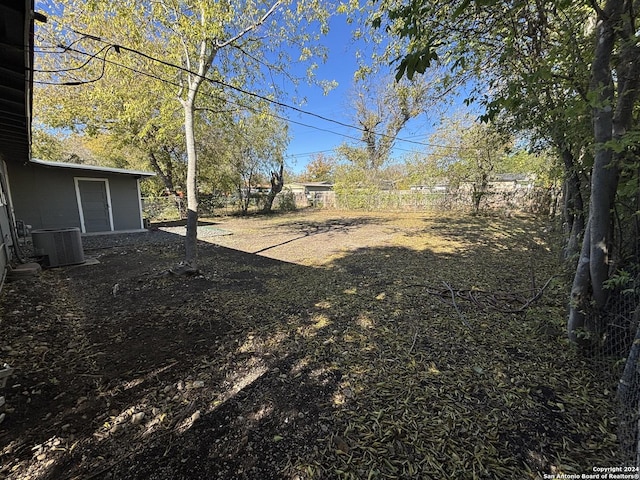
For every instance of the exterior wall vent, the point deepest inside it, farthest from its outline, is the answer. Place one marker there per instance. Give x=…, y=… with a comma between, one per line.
x=59, y=247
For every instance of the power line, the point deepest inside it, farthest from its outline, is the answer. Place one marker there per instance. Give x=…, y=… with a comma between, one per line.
x=118, y=48
x=215, y=97
x=308, y=154
x=246, y=92
x=175, y=84
x=82, y=65
x=78, y=82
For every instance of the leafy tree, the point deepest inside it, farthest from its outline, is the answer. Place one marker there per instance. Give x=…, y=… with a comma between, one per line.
x=470, y=154
x=46, y=145
x=101, y=148
x=614, y=82
x=527, y=59
x=349, y=177
x=321, y=168
x=595, y=63
x=542, y=89
x=99, y=94
x=424, y=170
x=382, y=109
x=257, y=153
x=190, y=54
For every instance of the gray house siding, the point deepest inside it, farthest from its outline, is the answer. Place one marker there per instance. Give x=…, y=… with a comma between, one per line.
x=5, y=233
x=43, y=198
x=92, y=200
x=125, y=201
x=16, y=57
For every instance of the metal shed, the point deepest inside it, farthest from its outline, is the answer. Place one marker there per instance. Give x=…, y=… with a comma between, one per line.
x=55, y=195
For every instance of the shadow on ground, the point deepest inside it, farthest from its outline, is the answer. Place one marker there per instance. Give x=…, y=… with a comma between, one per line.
x=263, y=369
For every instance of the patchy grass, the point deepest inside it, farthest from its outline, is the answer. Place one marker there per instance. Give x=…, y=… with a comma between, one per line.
x=315, y=345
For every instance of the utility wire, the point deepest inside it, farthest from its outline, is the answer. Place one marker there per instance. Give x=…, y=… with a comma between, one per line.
x=79, y=82
x=246, y=92
x=308, y=154
x=118, y=48
x=82, y=65
x=210, y=95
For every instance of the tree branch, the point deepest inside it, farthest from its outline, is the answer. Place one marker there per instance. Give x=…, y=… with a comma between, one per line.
x=453, y=299
x=598, y=9
x=250, y=28
x=211, y=110
x=268, y=65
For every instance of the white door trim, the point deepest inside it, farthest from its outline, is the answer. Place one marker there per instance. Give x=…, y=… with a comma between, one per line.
x=140, y=203
x=76, y=181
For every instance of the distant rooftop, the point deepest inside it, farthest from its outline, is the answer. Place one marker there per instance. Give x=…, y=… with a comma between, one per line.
x=512, y=177
x=312, y=184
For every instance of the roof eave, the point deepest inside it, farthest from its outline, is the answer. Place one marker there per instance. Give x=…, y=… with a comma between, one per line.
x=94, y=168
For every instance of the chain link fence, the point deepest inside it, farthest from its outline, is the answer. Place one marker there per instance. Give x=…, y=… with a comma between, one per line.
x=166, y=208
x=617, y=355
x=173, y=208
x=417, y=200
x=617, y=352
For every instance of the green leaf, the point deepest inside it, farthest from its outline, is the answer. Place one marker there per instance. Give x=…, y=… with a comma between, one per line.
x=461, y=9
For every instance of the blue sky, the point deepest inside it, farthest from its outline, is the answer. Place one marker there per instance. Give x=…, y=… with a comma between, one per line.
x=321, y=136
x=340, y=66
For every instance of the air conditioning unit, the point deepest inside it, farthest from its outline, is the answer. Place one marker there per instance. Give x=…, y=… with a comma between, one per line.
x=58, y=247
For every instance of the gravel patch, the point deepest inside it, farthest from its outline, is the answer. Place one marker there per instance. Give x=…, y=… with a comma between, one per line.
x=156, y=237
x=203, y=231
x=150, y=237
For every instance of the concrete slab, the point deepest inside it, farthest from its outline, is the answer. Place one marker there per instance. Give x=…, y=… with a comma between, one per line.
x=24, y=270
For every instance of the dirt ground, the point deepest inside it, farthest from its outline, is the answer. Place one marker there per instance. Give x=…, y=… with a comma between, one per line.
x=312, y=345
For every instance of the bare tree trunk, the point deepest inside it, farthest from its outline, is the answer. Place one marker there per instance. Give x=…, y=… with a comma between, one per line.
x=588, y=284
x=165, y=175
x=588, y=293
x=193, y=83
x=206, y=52
x=245, y=199
x=579, y=305
x=245, y=194
x=479, y=190
x=277, y=182
x=191, y=243
x=476, y=197
x=573, y=205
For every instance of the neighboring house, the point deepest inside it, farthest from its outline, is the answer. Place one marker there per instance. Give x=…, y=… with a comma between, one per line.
x=311, y=193
x=308, y=188
x=498, y=183
x=56, y=195
x=507, y=182
x=435, y=188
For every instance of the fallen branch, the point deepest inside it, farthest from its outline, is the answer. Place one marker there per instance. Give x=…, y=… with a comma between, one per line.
x=453, y=299
x=536, y=296
x=484, y=299
x=415, y=337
